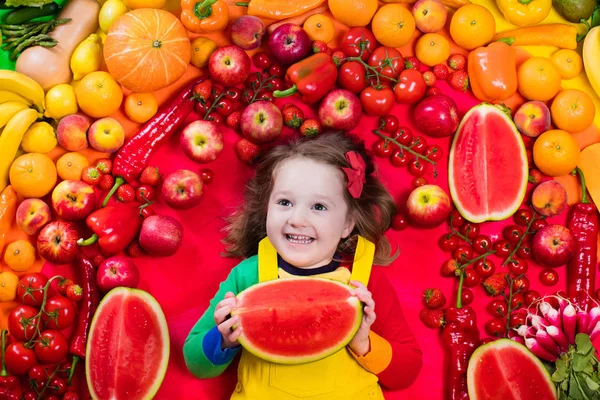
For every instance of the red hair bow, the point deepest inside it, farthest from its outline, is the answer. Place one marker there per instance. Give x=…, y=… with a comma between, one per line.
x=356, y=173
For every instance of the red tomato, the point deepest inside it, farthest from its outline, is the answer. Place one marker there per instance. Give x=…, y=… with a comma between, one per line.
x=517, y=301
x=470, y=230
x=523, y=216
x=51, y=347
x=351, y=76
x=418, y=144
x=147, y=211
x=377, y=102
x=383, y=148
x=411, y=87
x=59, y=313
x=549, y=277
x=351, y=42
x=448, y=243
x=472, y=279
x=416, y=168
x=531, y=296
x=399, y=222
x=234, y=94
x=484, y=267
x=482, y=244
x=21, y=322
x=524, y=250
x=404, y=136
x=497, y=308
x=389, y=124
x=517, y=319
x=538, y=224
x=418, y=182
x=387, y=61
x=518, y=266
x=463, y=252
x=434, y=152
x=30, y=290
x=467, y=296
x=207, y=175
x=19, y=358
x=225, y=106
x=58, y=386
x=144, y=193
x=496, y=327
x=455, y=220
x=400, y=158
x=512, y=233
x=520, y=284
x=502, y=248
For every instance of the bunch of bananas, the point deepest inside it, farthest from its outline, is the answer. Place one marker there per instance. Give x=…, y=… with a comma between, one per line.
x=21, y=103
x=591, y=61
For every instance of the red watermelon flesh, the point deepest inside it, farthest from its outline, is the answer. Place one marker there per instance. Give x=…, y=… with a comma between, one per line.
x=487, y=165
x=297, y=320
x=507, y=370
x=128, y=347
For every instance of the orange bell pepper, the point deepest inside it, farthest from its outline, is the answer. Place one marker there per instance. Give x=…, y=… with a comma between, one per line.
x=204, y=16
x=493, y=72
x=8, y=208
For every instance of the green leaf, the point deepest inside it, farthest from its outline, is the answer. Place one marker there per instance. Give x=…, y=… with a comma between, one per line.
x=562, y=370
x=595, y=18
x=575, y=392
x=584, y=345
x=579, y=362
x=565, y=385
x=589, y=369
x=591, y=384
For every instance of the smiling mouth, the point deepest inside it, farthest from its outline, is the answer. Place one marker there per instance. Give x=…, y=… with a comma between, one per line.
x=299, y=239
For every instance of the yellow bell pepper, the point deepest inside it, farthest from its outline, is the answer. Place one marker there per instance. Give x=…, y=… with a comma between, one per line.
x=524, y=12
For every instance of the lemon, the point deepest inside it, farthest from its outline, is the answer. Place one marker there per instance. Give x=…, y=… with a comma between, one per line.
x=110, y=12
x=60, y=101
x=39, y=138
x=87, y=57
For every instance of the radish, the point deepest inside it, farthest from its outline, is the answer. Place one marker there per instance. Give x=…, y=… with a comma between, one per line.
x=594, y=317
x=538, y=322
x=569, y=320
x=595, y=332
x=559, y=337
x=554, y=319
x=539, y=351
x=583, y=321
x=544, y=340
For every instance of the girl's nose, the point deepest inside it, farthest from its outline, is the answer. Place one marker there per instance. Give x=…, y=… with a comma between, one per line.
x=297, y=217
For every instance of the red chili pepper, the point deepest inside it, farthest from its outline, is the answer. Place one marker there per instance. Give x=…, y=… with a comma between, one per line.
x=114, y=227
x=581, y=270
x=313, y=77
x=133, y=157
x=10, y=386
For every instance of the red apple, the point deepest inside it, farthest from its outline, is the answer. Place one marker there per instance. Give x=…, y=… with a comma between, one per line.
x=261, y=122
x=553, y=245
x=117, y=271
x=57, y=242
x=161, y=235
x=202, y=141
x=229, y=65
x=436, y=116
x=182, y=189
x=428, y=206
x=73, y=200
x=340, y=110
x=289, y=43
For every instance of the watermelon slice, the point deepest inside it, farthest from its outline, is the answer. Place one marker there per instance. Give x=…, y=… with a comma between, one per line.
x=507, y=370
x=128, y=347
x=487, y=167
x=297, y=320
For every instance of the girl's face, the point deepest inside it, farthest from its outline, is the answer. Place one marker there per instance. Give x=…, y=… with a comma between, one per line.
x=307, y=214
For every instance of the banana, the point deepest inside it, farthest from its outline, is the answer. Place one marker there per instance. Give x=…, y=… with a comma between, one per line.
x=7, y=95
x=11, y=139
x=591, y=61
x=23, y=85
x=8, y=110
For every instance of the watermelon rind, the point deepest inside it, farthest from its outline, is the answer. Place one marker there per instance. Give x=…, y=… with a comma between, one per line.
x=162, y=323
x=291, y=360
x=543, y=378
x=519, y=157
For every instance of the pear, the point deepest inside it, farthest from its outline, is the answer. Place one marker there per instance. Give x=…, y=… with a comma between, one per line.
x=574, y=10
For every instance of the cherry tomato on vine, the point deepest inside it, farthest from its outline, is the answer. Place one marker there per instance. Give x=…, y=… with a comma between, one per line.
x=548, y=277
x=472, y=279
x=215, y=117
x=538, y=224
x=523, y=216
x=57, y=386
x=275, y=84
x=496, y=327
x=502, y=248
x=411, y=87
x=418, y=182
x=59, y=313
x=418, y=144
x=400, y=158
x=512, y=233
x=351, y=76
x=518, y=301
x=399, y=222
x=51, y=347
x=434, y=152
x=389, y=124
x=383, y=148
x=524, y=251
x=497, y=308
x=261, y=60
x=30, y=289
x=484, y=267
x=19, y=359
x=377, y=102
x=144, y=193
x=467, y=296
x=38, y=374
x=463, y=252
x=482, y=244
x=207, y=175
x=470, y=230
x=387, y=61
x=22, y=321
x=455, y=220
x=224, y=107
x=517, y=319
x=234, y=94
x=276, y=70
x=351, y=42
x=404, y=136
x=521, y=285
x=147, y=212
x=416, y=168
x=448, y=242
x=518, y=266
x=531, y=296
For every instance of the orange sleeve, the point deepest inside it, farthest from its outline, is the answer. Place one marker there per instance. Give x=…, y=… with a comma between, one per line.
x=379, y=355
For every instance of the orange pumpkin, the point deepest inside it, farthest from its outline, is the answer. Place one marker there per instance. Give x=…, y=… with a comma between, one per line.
x=147, y=49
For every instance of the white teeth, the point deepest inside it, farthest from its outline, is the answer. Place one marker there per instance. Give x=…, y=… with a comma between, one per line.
x=299, y=239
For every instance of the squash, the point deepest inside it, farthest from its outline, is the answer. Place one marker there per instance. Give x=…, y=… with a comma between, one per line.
x=588, y=162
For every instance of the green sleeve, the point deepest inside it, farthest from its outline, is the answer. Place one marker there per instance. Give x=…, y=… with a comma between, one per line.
x=244, y=275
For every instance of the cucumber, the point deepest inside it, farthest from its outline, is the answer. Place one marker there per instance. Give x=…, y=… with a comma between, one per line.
x=24, y=14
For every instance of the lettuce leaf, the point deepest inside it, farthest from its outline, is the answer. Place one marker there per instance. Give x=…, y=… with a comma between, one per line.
x=27, y=3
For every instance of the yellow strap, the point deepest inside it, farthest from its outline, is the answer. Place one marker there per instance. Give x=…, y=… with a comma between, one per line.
x=363, y=261
x=267, y=261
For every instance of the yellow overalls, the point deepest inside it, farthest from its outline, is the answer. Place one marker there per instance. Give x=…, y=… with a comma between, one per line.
x=337, y=377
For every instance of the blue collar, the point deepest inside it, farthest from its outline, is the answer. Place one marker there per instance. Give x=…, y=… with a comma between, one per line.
x=290, y=269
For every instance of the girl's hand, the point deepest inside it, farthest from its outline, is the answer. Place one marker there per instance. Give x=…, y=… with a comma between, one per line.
x=225, y=324
x=360, y=344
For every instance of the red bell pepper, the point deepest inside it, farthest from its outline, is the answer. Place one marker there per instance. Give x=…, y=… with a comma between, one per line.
x=312, y=77
x=114, y=227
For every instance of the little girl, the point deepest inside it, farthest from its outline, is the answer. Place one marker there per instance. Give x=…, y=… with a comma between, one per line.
x=311, y=205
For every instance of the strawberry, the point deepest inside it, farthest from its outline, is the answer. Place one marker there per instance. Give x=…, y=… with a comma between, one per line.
x=126, y=193
x=293, y=116
x=62, y=285
x=203, y=90
x=457, y=62
x=459, y=80
x=448, y=268
x=310, y=127
x=91, y=175
x=97, y=260
x=134, y=249
x=319, y=46
x=434, y=298
x=432, y=318
x=150, y=176
x=233, y=120
x=412, y=63
x=535, y=176
x=441, y=71
x=433, y=91
x=338, y=57
x=430, y=78
x=74, y=293
x=496, y=283
x=104, y=165
x=247, y=151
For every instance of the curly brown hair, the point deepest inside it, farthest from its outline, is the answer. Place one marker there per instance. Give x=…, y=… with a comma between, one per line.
x=372, y=211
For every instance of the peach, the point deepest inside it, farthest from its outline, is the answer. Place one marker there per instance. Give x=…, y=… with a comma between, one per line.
x=71, y=132
x=32, y=215
x=106, y=135
x=247, y=32
x=430, y=15
x=532, y=118
x=549, y=198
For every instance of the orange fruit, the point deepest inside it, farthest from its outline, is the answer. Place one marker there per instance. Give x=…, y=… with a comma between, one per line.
x=202, y=49
x=353, y=13
x=8, y=286
x=33, y=175
x=393, y=25
x=556, y=153
x=538, y=79
x=432, y=49
x=135, y=4
x=319, y=27
x=98, y=94
x=20, y=255
x=573, y=110
x=472, y=26
x=140, y=107
x=71, y=165
x=568, y=62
